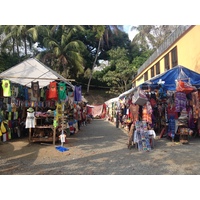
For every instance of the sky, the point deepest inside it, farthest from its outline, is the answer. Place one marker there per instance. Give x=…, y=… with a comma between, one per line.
x=131, y=34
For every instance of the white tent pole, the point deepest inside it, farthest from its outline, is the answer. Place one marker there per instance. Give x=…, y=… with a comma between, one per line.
x=35, y=78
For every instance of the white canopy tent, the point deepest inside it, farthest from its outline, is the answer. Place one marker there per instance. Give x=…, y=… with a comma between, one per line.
x=126, y=93
x=32, y=70
x=110, y=101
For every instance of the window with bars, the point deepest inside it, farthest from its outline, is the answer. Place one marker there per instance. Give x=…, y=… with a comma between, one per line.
x=174, y=57
x=157, y=68
x=152, y=72
x=166, y=58
x=146, y=76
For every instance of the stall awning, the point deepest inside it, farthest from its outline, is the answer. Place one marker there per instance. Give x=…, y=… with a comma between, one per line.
x=112, y=100
x=126, y=93
x=32, y=70
x=176, y=73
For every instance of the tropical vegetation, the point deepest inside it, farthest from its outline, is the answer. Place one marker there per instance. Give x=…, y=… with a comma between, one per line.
x=79, y=52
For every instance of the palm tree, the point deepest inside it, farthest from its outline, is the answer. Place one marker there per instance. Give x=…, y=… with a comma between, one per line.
x=11, y=40
x=29, y=34
x=143, y=38
x=100, y=30
x=152, y=36
x=15, y=34
x=63, y=50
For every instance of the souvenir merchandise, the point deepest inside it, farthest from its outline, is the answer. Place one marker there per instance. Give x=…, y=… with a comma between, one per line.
x=6, y=88
x=185, y=87
x=141, y=136
x=29, y=112
x=38, y=103
x=35, y=91
x=62, y=91
x=165, y=112
x=78, y=93
x=30, y=119
x=139, y=97
x=53, y=91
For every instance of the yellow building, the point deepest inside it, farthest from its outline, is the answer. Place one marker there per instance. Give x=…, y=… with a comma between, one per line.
x=182, y=47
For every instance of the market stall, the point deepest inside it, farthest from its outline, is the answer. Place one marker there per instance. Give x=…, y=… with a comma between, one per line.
x=111, y=109
x=168, y=104
x=35, y=100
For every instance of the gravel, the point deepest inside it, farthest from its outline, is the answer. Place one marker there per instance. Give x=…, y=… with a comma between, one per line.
x=99, y=149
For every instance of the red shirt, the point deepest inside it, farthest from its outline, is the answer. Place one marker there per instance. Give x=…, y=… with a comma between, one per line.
x=53, y=92
x=171, y=111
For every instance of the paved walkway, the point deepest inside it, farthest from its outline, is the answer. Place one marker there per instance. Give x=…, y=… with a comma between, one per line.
x=100, y=149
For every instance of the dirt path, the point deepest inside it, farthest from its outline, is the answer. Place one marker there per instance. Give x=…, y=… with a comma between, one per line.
x=99, y=148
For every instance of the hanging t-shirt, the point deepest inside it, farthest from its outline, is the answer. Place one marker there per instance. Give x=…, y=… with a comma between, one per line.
x=58, y=111
x=180, y=101
x=171, y=111
x=26, y=97
x=77, y=93
x=6, y=88
x=35, y=91
x=134, y=109
x=21, y=94
x=53, y=93
x=42, y=94
x=47, y=95
x=62, y=91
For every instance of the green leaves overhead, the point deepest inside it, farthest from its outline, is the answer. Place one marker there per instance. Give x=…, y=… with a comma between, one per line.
x=65, y=49
x=120, y=73
x=75, y=50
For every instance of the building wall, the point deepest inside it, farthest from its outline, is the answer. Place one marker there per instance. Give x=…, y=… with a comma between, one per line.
x=186, y=40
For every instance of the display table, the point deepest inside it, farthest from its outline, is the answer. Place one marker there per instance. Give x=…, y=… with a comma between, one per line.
x=42, y=132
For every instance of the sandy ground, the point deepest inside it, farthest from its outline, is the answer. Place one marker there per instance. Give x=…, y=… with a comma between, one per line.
x=99, y=149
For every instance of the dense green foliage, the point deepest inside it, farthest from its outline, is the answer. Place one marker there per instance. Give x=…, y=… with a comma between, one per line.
x=76, y=51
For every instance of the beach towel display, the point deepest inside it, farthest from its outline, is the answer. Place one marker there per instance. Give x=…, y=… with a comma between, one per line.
x=141, y=136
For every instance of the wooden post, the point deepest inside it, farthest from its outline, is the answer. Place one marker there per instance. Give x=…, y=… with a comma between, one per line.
x=29, y=135
x=54, y=135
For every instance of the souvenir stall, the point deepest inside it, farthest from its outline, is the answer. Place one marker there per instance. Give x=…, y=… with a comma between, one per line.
x=136, y=119
x=111, y=108
x=166, y=105
x=36, y=102
x=172, y=103
x=125, y=116
x=128, y=111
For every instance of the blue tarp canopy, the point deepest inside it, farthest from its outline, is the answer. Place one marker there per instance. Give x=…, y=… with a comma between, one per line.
x=176, y=73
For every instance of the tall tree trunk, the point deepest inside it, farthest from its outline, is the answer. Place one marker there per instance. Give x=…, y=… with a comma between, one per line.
x=94, y=63
x=17, y=49
x=13, y=46
x=25, y=46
